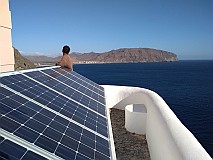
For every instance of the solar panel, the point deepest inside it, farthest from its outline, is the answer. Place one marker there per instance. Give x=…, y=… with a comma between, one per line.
x=11, y=150
x=35, y=109
x=58, y=103
x=71, y=89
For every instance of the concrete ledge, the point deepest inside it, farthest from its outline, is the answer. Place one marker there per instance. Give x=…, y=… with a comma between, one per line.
x=167, y=137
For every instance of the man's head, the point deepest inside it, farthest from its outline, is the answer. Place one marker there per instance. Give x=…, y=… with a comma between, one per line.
x=66, y=49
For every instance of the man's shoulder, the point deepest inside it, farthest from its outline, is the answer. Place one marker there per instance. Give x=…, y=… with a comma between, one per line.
x=69, y=56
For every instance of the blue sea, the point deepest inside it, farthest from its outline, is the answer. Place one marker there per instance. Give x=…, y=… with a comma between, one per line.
x=186, y=86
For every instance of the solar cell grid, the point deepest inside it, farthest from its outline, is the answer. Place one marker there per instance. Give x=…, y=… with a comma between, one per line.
x=81, y=78
x=13, y=151
x=57, y=110
x=87, y=80
x=48, y=131
x=95, y=88
x=91, y=90
x=58, y=103
x=70, y=92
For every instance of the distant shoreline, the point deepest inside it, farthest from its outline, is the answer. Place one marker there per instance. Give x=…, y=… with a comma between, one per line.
x=53, y=64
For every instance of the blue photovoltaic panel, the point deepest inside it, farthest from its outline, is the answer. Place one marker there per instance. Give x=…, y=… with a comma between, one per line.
x=96, y=91
x=91, y=83
x=80, y=78
x=46, y=129
x=12, y=151
x=28, y=120
x=71, y=90
x=57, y=102
x=93, y=98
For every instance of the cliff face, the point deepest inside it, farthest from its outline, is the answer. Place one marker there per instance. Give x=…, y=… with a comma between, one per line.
x=22, y=62
x=115, y=56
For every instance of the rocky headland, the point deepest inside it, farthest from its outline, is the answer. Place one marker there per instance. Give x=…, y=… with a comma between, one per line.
x=124, y=55
x=22, y=62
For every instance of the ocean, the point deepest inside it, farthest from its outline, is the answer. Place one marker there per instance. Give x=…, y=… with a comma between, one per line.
x=186, y=86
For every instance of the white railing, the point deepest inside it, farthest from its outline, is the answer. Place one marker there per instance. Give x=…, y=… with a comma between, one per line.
x=167, y=137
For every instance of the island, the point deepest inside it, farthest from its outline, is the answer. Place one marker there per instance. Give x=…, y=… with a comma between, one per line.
x=123, y=55
x=126, y=55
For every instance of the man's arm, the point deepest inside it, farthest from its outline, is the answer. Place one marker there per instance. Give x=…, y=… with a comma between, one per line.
x=57, y=63
x=60, y=63
x=63, y=62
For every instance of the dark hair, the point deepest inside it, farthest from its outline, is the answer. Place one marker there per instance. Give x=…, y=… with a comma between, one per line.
x=66, y=49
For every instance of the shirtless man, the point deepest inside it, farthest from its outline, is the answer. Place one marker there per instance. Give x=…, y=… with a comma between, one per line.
x=66, y=60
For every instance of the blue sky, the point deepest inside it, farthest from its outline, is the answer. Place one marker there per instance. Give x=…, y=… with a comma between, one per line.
x=184, y=27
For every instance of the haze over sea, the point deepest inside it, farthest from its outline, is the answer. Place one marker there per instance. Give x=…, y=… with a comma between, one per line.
x=186, y=86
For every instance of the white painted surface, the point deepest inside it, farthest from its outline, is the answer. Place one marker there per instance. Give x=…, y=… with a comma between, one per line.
x=111, y=143
x=6, y=49
x=167, y=137
x=135, y=118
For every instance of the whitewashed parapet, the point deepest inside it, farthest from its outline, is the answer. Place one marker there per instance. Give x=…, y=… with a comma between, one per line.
x=167, y=137
x=135, y=118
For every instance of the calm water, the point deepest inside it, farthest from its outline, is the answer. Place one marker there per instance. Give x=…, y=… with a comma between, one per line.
x=186, y=86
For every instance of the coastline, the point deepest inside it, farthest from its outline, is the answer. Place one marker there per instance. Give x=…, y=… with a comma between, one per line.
x=47, y=64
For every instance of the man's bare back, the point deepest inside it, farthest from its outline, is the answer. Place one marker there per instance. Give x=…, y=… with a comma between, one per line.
x=66, y=60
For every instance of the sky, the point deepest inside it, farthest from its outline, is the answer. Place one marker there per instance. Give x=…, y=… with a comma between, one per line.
x=184, y=27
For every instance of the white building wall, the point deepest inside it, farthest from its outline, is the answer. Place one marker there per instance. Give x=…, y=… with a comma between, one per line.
x=6, y=49
x=167, y=137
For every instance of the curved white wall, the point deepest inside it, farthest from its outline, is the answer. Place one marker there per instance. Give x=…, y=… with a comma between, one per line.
x=135, y=118
x=167, y=137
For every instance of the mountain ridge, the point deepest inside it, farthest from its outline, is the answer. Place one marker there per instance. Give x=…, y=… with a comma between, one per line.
x=122, y=55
